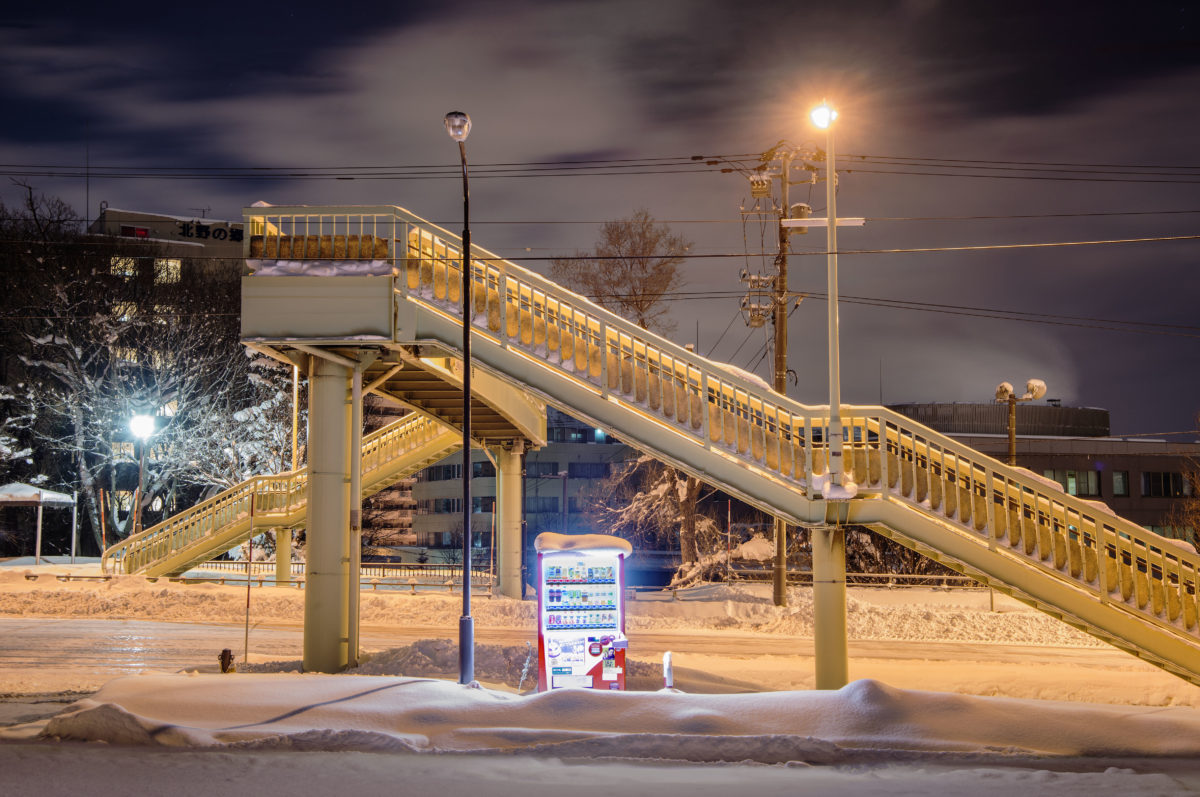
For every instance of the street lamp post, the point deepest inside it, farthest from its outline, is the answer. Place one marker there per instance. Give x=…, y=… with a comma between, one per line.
x=142, y=427
x=823, y=116
x=458, y=125
x=829, y=541
x=1034, y=389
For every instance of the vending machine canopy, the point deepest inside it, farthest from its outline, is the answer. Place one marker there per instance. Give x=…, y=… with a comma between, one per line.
x=549, y=541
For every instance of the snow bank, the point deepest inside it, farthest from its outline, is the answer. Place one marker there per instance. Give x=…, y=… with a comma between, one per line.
x=756, y=549
x=872, y=614
x=551, y=541
x=425, y=715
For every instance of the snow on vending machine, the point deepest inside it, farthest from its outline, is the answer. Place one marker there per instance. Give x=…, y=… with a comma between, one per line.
x=581, y=610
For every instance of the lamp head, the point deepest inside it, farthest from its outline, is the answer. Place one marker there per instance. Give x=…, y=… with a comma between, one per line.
x=1003, y=391
x=142, y=426
x=458, y=125
x=823, y=115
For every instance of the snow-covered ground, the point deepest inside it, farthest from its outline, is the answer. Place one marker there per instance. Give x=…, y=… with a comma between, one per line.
x=1106, y=720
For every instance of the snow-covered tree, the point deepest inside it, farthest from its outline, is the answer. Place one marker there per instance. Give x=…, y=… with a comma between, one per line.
x=104, y=329
x=653, y=506
x=16, y=454
x=250, y=428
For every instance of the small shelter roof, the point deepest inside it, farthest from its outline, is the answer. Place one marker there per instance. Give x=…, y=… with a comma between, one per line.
x=18, y=494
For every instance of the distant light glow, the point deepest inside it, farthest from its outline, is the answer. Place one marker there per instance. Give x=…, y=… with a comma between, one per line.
x=822, y=116
x=142, y=426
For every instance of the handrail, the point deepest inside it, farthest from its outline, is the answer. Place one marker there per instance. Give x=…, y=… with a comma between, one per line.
x=278, y=496
x=889, y=456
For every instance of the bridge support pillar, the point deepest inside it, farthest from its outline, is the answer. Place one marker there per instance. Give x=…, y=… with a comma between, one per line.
x=829, y=606
x=283, y=556
x=327, y=569
x=508, y=519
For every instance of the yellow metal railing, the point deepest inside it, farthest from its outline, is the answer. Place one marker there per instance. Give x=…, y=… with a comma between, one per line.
x=261, y=501
x=888, y=456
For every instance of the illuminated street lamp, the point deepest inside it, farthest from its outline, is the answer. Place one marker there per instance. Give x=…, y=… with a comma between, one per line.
x=1034, y=389
x=458, y=125
x=142, y=427
x=823, y=117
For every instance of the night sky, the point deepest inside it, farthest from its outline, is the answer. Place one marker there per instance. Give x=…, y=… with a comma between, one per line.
x=147, y=95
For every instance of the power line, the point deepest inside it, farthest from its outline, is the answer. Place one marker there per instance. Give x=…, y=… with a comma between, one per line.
x=1055, y=170
x=128, y=216
x=742, y=255
x=1126, y=166
x=1020, y=177
x=453, y=168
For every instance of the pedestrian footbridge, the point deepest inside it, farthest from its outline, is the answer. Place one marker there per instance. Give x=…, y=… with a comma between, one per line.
x=373, y=294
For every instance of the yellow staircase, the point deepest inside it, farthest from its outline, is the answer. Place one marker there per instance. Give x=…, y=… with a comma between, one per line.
x=229, y=518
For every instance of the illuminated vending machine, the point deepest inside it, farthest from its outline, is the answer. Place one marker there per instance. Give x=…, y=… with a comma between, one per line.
x=581, y=611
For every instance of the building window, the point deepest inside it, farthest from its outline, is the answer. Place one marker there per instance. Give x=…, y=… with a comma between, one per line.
x=439, y=506
x=1120, y=483
x=483, y=503
x=124, y=311
x=123, y=267
x=1076, y=482
x=484, y=469
x=441, y=473
x=538, y=504
x=167, y=270
x=1164, y=484
x=587, y=470
x=536, y=469
x=568, y=434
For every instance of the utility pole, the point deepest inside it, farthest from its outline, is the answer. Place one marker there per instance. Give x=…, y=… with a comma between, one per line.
x=779, y=569
x=767, y=295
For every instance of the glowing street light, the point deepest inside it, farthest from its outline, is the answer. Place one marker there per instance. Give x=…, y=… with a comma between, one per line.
x=823, y=117
x=142, y=427
x=1034, y=389
x=458, y=125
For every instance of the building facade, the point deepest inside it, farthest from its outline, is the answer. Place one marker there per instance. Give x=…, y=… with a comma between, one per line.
x=178, y=236
x=559, y=485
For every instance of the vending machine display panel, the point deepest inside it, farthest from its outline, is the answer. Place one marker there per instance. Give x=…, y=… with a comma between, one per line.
x=581, y=619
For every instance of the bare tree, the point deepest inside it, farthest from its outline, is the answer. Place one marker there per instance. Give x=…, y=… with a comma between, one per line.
x=650, y=504
x=103, y=329
x=635, y=266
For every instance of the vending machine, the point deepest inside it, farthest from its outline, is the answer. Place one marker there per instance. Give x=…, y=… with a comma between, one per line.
x=581, y=610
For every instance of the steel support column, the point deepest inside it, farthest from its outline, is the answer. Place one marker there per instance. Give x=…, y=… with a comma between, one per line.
x=829, y=606
x=283, y=556
x=508, y=519
x=326, y=589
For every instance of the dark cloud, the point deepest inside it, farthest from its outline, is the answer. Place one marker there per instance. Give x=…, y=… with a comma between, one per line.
x=303, y=85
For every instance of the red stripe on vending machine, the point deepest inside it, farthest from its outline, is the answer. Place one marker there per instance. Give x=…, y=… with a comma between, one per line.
x=581, y=611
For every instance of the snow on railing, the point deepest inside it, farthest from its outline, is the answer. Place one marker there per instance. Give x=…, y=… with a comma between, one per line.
x=273, y=498
x=719, y=407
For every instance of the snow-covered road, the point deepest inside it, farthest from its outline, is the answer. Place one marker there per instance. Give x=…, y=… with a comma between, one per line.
x=58, y=636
